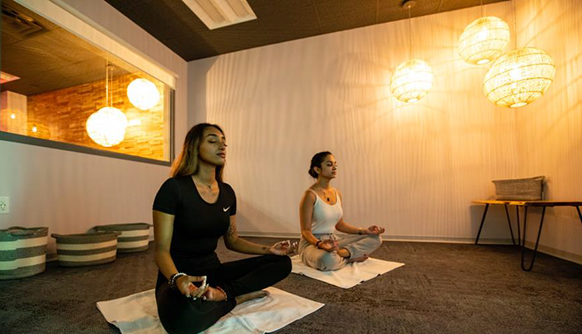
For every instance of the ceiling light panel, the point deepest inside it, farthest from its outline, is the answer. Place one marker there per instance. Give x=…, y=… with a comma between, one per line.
x=221, y=13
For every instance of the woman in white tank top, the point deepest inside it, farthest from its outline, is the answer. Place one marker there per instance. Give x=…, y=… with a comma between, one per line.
x=321, y=215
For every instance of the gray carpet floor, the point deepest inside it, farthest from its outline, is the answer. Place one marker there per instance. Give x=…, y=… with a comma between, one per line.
x=443, y=288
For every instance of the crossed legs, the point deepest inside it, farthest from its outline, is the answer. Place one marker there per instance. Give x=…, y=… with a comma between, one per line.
x=352, y=248
x=239, y=279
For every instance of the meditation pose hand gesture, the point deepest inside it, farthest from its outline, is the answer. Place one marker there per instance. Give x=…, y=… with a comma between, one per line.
x=186, y=285
x=328, y=245
x=375, y=230
x=283, y=248
x=321, y=214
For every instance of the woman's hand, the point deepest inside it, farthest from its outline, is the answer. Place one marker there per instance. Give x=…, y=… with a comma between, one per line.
x=185, y=284
x=187, y=288
x=329, y=245
x=376, y=230
x=214, y=295
x=283, y=248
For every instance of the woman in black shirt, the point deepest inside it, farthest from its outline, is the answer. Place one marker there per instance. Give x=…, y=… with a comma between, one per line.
x=191, y=211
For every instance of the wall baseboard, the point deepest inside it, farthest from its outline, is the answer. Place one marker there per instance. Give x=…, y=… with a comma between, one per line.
x=386, y=237
x=269, y=235
x=576, y=258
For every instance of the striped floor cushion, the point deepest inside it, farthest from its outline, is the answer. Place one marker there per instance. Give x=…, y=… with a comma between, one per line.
x=77, y=250
x=22, y=251
x=133, y=237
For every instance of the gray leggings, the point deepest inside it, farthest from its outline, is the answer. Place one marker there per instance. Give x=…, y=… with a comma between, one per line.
x=357, y=245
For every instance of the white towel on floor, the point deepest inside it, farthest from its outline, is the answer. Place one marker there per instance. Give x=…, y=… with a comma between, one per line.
x=138, y=314
x=350, y=275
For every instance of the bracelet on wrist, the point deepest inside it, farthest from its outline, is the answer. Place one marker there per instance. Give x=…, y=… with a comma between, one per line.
x=317, y=243
x=225, y=295
x=173, y=278
x=360, y=232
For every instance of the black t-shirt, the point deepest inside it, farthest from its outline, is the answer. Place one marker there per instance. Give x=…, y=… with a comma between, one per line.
x=197, y=224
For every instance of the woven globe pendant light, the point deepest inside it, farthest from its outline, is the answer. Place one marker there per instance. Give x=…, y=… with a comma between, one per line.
x=483, y=40
x=143, y=94
x=411, y=80
x=519, y=77
x=107, y=126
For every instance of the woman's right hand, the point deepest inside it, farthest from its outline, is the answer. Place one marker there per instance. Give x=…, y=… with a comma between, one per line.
x=185, y=284
x=329, y=245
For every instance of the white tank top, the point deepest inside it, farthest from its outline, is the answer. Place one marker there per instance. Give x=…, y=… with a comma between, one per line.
x=325, y=216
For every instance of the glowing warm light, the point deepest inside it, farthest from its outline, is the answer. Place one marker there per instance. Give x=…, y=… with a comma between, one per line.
x=12, y=116
x=34, y=129
x=519, y=77
x=143, y=94
x=484, y=40
x=411, y=80
x=7, y=77
x=107, y=126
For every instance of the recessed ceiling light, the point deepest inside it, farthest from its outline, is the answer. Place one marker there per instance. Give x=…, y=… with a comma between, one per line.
x=221, y=13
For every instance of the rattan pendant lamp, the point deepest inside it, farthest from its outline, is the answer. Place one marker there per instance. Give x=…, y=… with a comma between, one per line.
x=484, y=39
x=106, y=127
x=519, y=77
x=412, y=79
x=143, y=94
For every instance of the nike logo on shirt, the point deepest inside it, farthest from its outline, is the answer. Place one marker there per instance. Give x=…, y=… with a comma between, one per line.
x=226, y=209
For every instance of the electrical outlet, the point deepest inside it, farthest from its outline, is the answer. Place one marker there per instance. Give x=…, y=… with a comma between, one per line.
x=4, y=205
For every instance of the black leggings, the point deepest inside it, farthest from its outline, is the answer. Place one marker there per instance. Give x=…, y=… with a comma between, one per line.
x=179, y=314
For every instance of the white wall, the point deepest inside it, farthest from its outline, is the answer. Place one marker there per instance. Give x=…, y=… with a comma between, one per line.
x=411, y=168
x=550, y=130
x=71, y=192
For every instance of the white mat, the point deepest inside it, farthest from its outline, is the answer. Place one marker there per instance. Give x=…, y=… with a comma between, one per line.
x=137, y=314
x=350, y=275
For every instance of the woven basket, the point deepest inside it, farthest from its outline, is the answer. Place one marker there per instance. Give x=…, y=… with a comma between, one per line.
x=133, y=237
x=22, y=251
x=78, y=250
x=530, y=189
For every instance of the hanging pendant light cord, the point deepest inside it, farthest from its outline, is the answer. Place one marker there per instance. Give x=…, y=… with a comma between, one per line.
x=110, y=68
x=108, y=92
x=409, y=34
x=514, y=24
x=107, y=84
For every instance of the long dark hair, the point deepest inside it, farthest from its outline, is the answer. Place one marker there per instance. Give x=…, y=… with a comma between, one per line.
x=316, y=161
x=187, y=162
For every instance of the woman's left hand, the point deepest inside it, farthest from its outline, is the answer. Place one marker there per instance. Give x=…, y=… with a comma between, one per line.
x=283, y=248
x=376, y=230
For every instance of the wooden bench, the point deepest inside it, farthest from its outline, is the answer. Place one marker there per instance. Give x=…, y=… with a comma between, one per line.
x=525, y=205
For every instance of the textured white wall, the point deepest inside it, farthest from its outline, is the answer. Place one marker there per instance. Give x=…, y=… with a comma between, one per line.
x=71, y=192
x=550, y=129
x=411, y=168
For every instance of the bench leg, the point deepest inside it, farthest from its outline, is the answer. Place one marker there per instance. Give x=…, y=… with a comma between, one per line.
x=482, y=221
x=518, y=231
x=509, y=222
x=537, y=240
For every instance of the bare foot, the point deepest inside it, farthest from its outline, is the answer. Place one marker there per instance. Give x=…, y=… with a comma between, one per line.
x=343, y=253
x=251, y=295
x=359, y=259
